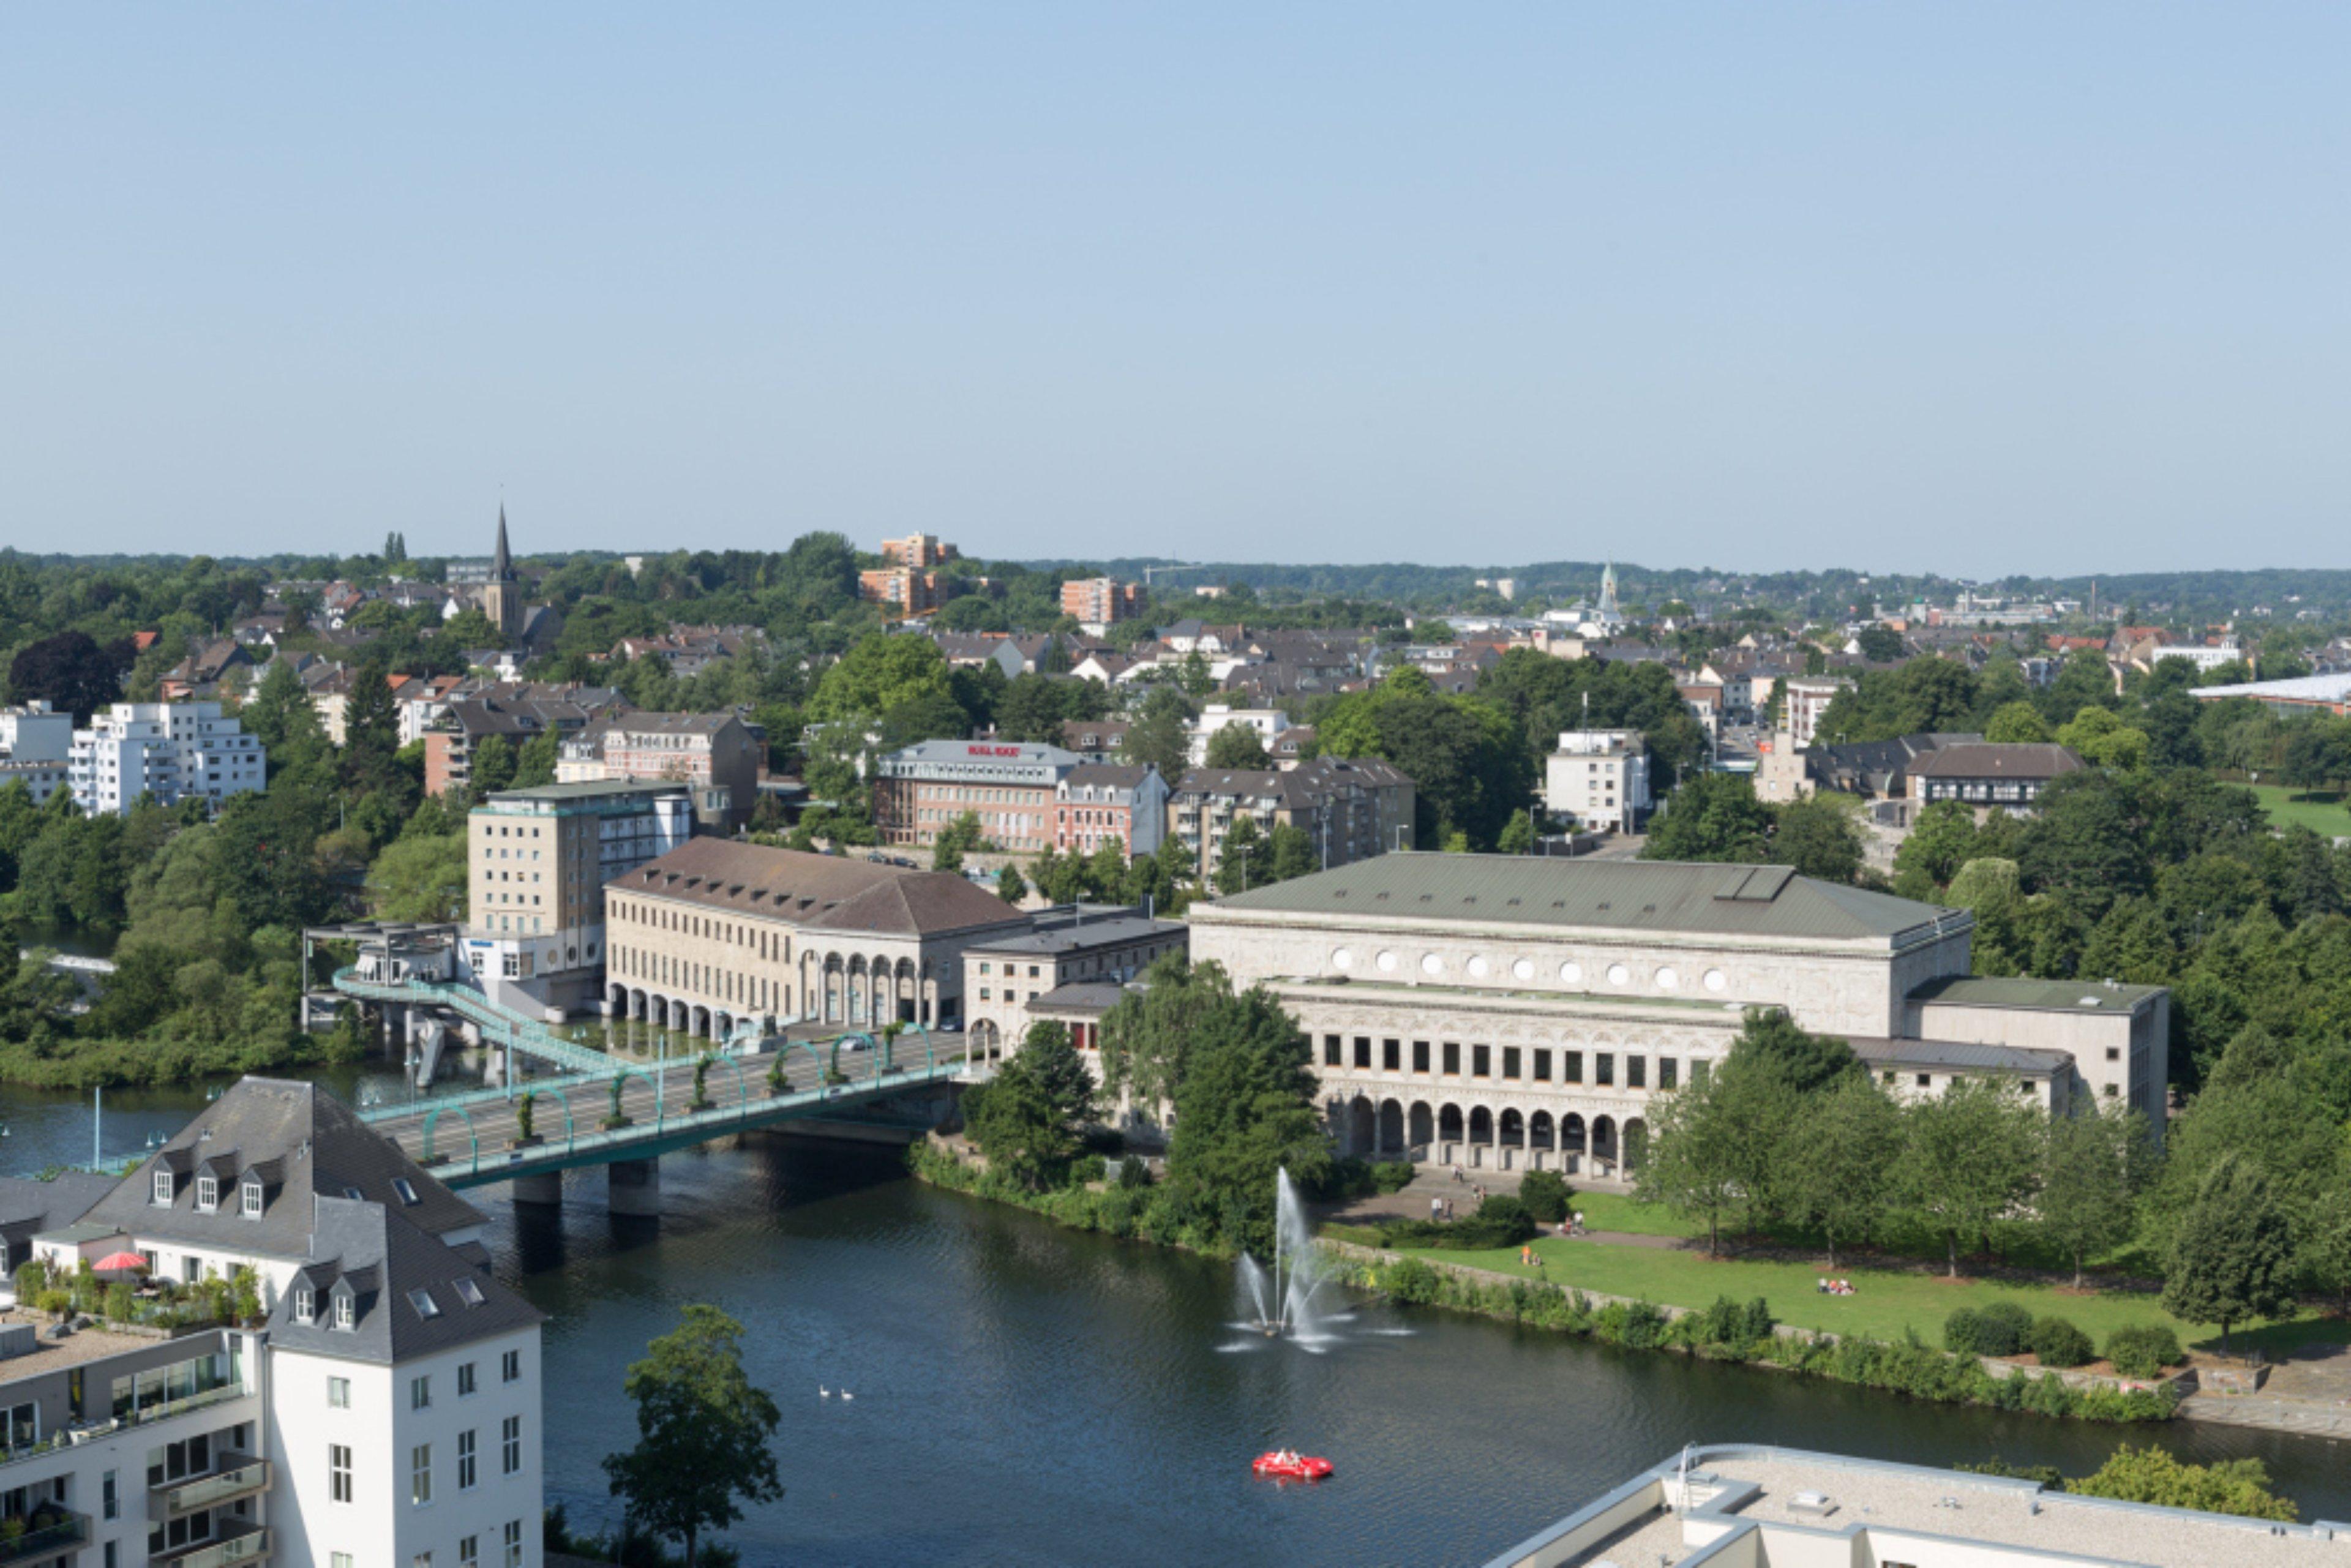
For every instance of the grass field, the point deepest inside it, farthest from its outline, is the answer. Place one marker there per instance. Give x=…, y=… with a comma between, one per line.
x=2320, y=811
x=1884, y=1302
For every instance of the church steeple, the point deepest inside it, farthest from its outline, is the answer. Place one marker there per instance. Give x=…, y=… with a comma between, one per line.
x=502, y=559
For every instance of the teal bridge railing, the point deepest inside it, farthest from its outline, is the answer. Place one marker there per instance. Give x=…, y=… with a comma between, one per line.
x=498, y=1025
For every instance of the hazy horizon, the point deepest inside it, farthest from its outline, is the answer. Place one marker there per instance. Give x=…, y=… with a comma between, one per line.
x=2001, y=290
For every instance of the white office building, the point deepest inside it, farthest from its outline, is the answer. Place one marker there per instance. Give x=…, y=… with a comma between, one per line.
x=1268, y=722
x=173, y=751
x=382, y=1411
x=1600, y=778
x=36, y=748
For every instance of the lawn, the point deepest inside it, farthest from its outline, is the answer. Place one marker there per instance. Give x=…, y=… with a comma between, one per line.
x=1884, y=1302
x=2320, y=811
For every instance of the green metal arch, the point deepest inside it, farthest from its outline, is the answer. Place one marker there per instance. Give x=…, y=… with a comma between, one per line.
x=433, y=1116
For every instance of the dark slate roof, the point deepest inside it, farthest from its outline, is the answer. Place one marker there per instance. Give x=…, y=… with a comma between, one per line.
x=1986, y=760
x=816, y=893
x=1960, y=1055
x=2035, y=995
x=1632, y=895
x=385, y=1263
x=296, y=1135
x=1298, y=786
x=28, y=1207
x=1109, y=931
x=1079, y=997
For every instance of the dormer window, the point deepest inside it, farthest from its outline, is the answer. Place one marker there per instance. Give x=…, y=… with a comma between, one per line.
x=345, y=1314
x=305, y=1304
x=249, y=1194
x=162, y=1186
x=207, y=1194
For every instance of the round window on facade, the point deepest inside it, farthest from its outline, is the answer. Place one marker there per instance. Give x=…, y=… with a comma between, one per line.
x=1479, y=967
x=1571, y=974
x=1667, y=979
x=1388, y=962
x=1716, y=980
x=1524, y=970
x=1342, y=959
x=1430, y=964
x=1618, y=974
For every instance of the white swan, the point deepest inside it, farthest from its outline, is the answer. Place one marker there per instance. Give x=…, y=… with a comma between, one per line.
x=822, y=1392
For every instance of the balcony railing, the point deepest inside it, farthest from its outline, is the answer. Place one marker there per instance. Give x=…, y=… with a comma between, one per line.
x=237, y=1476
x=165, y=1409
x=250, y=1545
x=70, y=1533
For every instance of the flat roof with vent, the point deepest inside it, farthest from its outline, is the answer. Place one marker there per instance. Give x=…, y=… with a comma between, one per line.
x=1638, y=896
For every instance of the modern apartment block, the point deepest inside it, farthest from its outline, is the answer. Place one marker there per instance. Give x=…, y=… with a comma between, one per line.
x=37, y=748
x=1028, y=797
x=1600, y=778
x=536, y=861
x=1521, y=1012
x=715, y=754
x=1351, y=810
x=1098, y=604
x=173, y=751
x=382, y=1411
x=908, y=583
x=1747, y=1506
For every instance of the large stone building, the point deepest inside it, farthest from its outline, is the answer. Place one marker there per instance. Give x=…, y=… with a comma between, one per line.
x=1027, y=797
x=1521, y=1012
x=1005, y=976
x=384, y=1411
x=536, y=861
x=717, y=935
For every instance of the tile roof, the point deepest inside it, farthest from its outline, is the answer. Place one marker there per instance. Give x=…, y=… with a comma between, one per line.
x=816, y=892
x=1964, y=1055
x=1983, y=759
x=1633, y=896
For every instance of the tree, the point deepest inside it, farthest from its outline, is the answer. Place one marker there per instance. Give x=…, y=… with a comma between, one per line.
x=1244, y=858
x=2152, y=1476
x=878, y=675
x=1941, y=841
x=2093, y=1167
x=1880, y=644
x=1844, y=1145
x=494, y=765
x=1518, y=835
x=1772, y=1041
x=1160, y=734
x=2017, y=724
x=2232, y=1256
x=1011, y=885
x=955, y=841
x=1968, y=1160
x=1690, y=1165
x=1238, y=746
x=535, y=763
x=1244, y=1112
x=703, y=1432
x=1293, y=853
x=1818, y=837
x=69, y=672
x=2105, y=740
x=420, y=876
x=1710, y=817
x=1026, y=1119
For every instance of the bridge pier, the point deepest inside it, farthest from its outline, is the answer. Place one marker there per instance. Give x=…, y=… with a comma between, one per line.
x=547, y=1188
x=632, y=1188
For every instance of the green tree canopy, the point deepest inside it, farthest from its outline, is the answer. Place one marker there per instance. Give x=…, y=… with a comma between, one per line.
x=2231, y=1257
x=703, y=1433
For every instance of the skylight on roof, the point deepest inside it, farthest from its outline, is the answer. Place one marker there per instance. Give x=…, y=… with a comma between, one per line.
x=354, y=1194
x=469, y=1292
x=407, y=1191
x=426, y=1307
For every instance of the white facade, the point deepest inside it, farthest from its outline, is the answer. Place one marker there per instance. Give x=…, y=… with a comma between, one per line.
x=1268, y=722
x=1599, y=776
x=174, y=751
x=1807, y=698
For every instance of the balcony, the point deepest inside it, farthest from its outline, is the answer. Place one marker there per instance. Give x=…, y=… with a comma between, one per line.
x=64, y=1532
x=236, y=1476
x=250, y=1544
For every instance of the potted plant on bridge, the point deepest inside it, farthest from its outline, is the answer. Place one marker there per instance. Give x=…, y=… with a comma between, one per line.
x=525, y=1112
x=617, y=1118
x=702, y=1083
x=777, y=1084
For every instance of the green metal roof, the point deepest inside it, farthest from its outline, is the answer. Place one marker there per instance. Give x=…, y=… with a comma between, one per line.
x=1633, y=896
x=2041, y=996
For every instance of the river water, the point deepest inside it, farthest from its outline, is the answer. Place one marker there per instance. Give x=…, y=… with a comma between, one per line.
x=1024, y=1395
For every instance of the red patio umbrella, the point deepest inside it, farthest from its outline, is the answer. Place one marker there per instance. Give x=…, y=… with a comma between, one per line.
x=120, y=1262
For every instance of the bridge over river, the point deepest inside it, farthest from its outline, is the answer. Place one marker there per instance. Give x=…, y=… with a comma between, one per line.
x=474, y=1138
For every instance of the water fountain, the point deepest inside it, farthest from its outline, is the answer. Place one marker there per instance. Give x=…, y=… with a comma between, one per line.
x=1280, y=1300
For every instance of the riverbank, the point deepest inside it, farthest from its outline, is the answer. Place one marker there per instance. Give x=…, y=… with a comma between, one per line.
x=1727, y=1331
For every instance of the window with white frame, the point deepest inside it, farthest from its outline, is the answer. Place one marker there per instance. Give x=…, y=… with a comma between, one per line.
x=420, y=1393
x=305, y=1304
x=207, y=1193
x=163, y=1184
x=345, y=1314
x=339, y=1472
x=514, y=1544
x=419, y=1474
x=250, y=1196
x=338, y=1394
x=510, y=1367
x=465, y=1460
x=511, y=1445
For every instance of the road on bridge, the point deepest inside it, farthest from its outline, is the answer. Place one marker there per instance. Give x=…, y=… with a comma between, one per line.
x=655, y=1096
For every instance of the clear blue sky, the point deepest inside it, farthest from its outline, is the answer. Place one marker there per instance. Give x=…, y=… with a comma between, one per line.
x=1966, y=288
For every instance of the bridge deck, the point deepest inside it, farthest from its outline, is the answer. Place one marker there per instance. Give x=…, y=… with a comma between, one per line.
x=500, y=1025
x=467, y=1140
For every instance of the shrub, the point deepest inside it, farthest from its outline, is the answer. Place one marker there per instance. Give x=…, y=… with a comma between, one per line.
x=1962, y=1330
x=2001, y=1329
x=1393, y=1175
x=58, y=1301
x=1413, y=1280
x=1546, y=1195
x=1088, y=1167
x=2059, y=1343
x=1133, y=1173
x=32, y=1279
x=2143, y=1350
x=118, y=1301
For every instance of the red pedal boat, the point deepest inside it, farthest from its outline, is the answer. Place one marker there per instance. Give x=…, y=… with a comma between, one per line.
x=1291, y=1467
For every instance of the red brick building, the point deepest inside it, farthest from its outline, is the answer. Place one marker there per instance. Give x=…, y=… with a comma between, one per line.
x=1100, y=602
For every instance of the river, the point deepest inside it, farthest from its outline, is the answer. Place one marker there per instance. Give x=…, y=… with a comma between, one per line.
x=1024, y=1395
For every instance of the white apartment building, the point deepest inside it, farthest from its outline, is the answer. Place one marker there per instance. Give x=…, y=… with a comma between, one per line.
x=36, y=748
x=1599, y=776
x=383, y=1412
x=173, y=751
x=1807, y=699
x=1268, y=722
